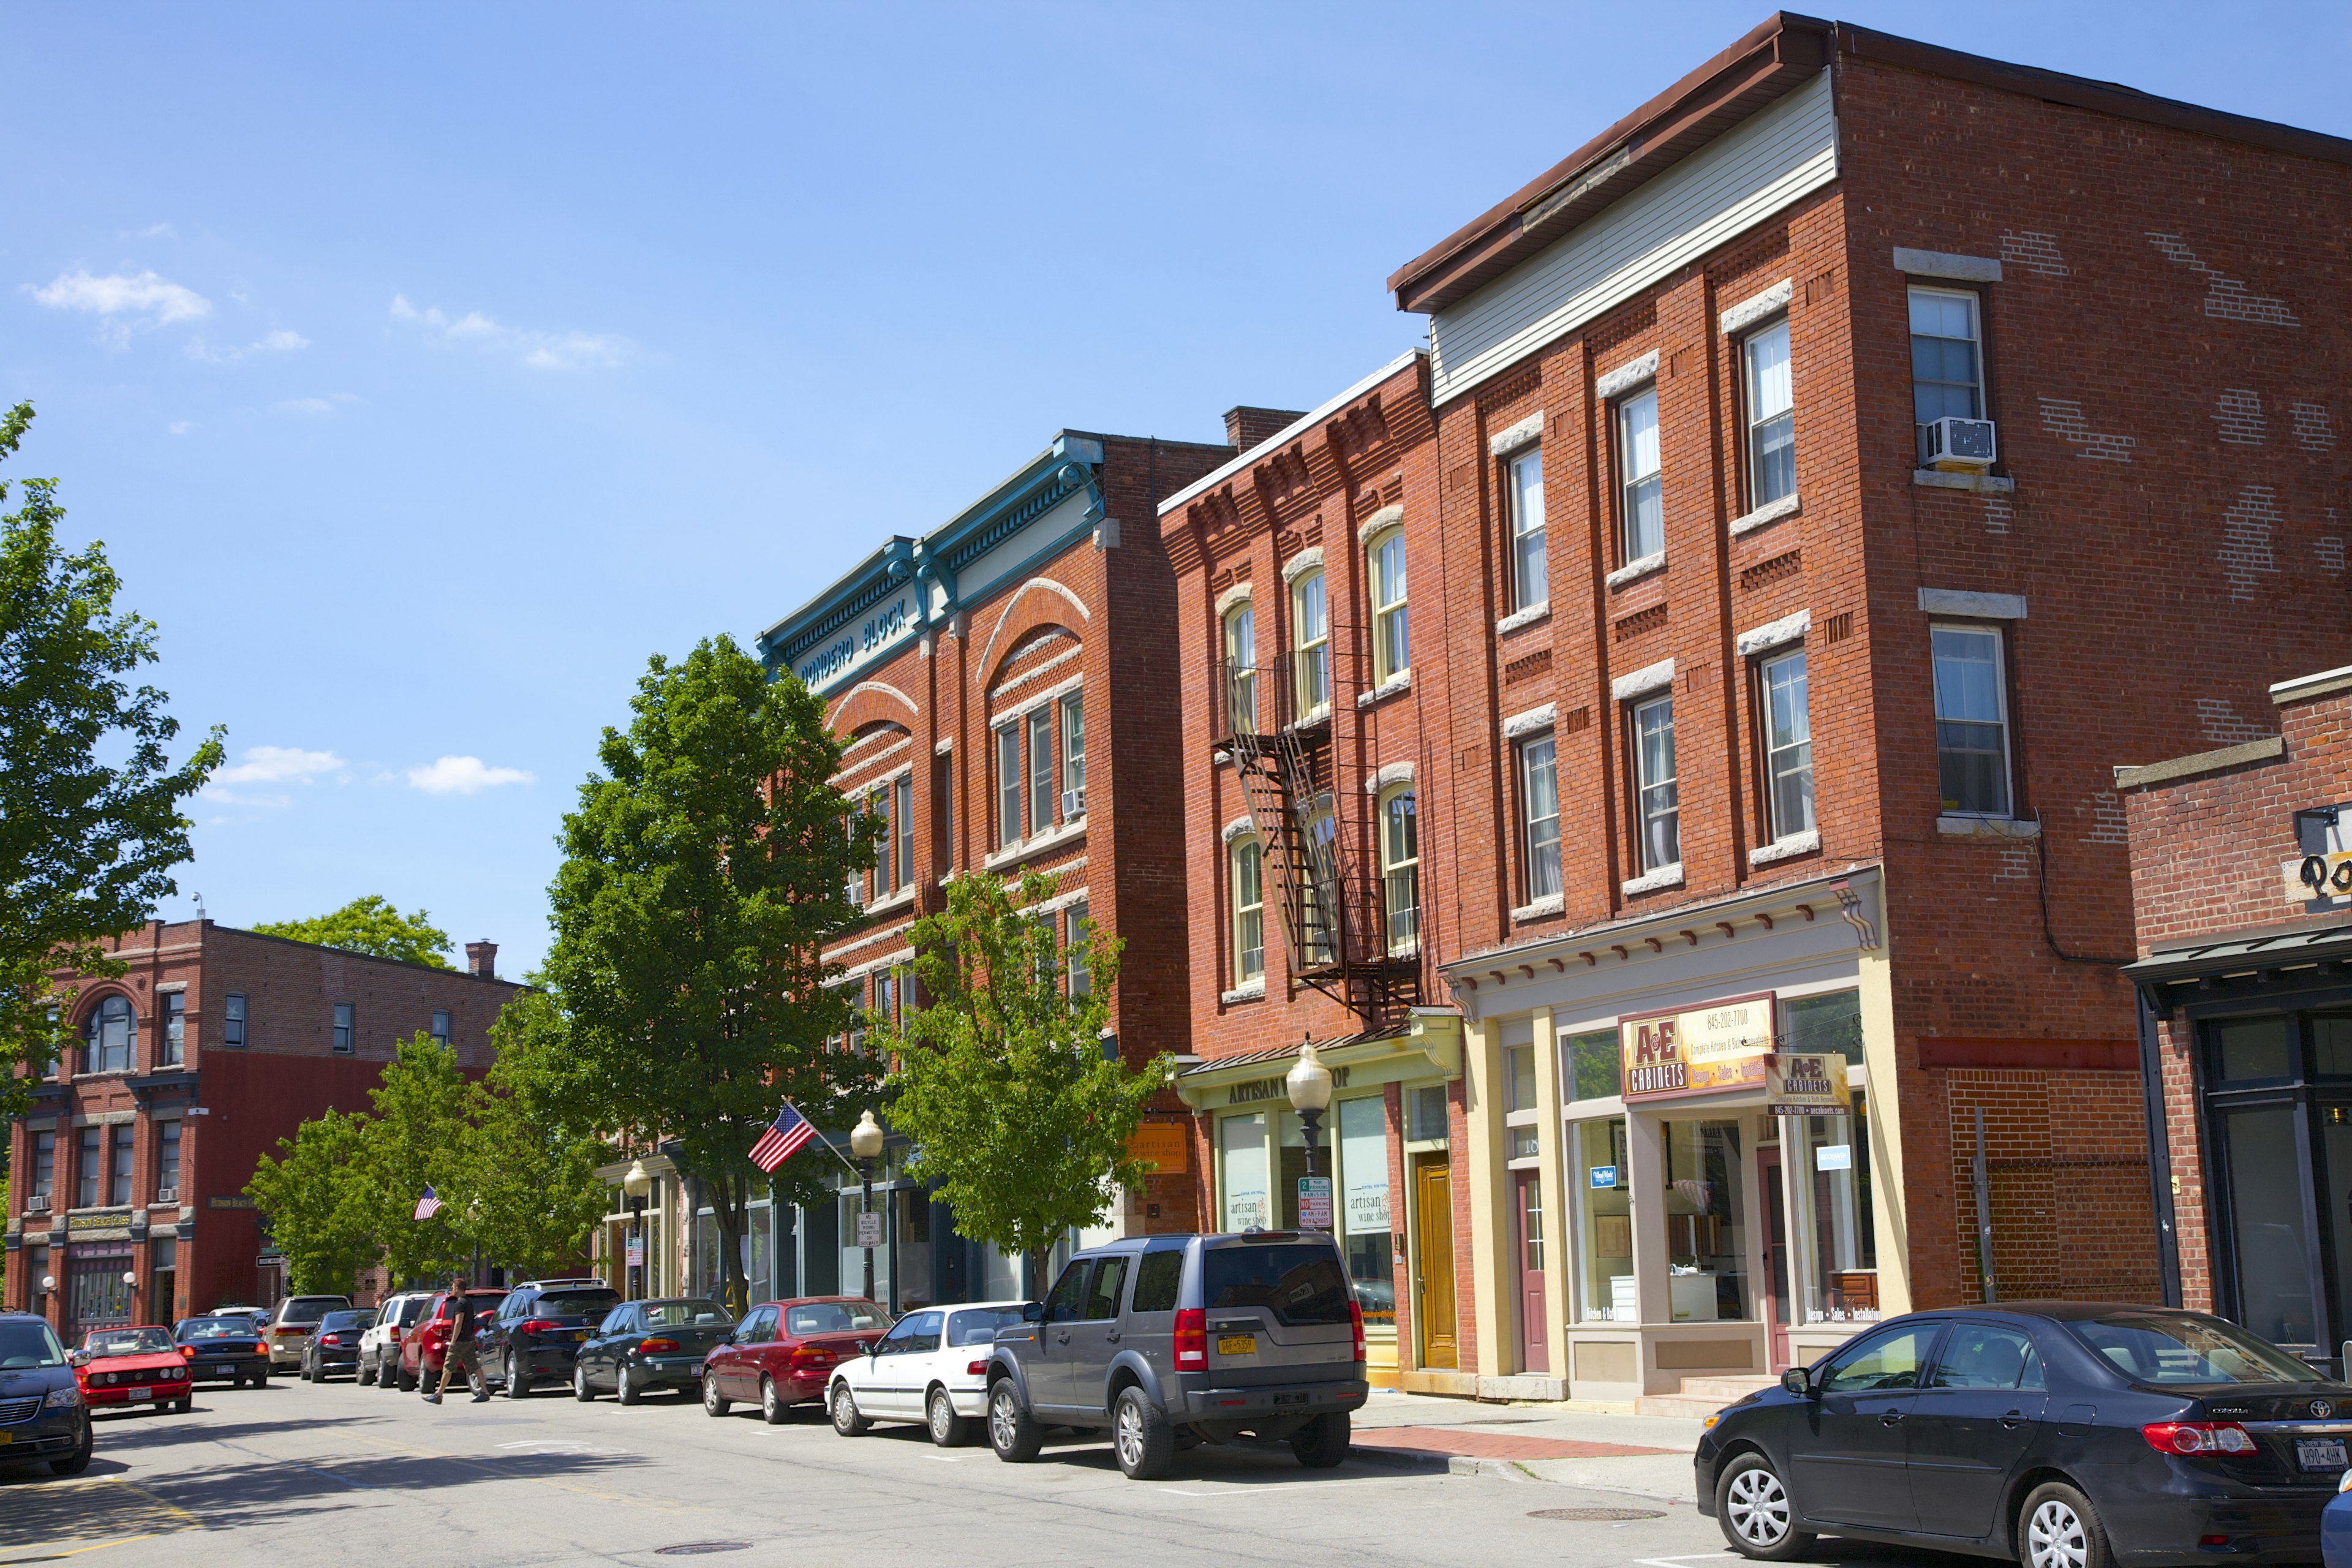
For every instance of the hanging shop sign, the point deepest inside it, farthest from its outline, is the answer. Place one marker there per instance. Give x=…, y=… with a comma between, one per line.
x=1164, y=1146
x=1719, y=1047
x=1806, y=1083
x=2319, y=881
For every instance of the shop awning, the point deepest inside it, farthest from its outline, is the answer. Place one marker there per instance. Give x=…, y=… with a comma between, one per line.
x=1429, y=1045
x=2259, y=953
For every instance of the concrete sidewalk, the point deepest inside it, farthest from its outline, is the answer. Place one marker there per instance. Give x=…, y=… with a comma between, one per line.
x=1600, y=1448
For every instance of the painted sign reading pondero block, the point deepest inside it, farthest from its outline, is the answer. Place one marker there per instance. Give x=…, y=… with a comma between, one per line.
x=1706, y=1049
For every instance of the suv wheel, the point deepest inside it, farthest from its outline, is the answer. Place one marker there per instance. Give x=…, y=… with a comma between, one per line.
x=518, y=1386
x=77, y=1461
x=1013, y=1432
x=712, y=1404
x=1322, y=1442
x=949, y=1430
x=845, y=1418
x=1141, y=1436
x=1753, y=1509
x=771, y=1404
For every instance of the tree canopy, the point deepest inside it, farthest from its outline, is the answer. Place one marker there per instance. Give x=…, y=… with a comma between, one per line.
x=373, y=926
x=1016, y=1109
x=91, y=825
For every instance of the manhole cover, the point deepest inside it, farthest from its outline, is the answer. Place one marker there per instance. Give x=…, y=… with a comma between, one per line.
x=697, y=1548
x=1597, y=1515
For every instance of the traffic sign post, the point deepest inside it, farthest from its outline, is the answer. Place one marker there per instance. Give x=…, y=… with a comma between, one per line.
x=1314, y=1202
x=869, y=1228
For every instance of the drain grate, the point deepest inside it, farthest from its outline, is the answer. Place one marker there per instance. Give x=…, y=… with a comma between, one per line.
x=697, y=1548
x=1597, y=1515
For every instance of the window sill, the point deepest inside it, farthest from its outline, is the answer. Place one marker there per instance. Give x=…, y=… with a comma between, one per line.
x=1770, y=512
x=1069, y=832
x=1634, y=570
x=1539, y=611
x=901, y=899
x=1318, y=715
x=1541, y=908
x=1986, y=827
x=1399, y=682
x=1787, y=847
x=1982, y=484
x=1253, y=992
x=1655, y=881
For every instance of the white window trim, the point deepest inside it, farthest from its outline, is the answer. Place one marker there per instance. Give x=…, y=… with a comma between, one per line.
x=1786, y=848
x=1551, y=904
x=1955, y=824
x=1626, y=377
x=1030, y=704
x=1945, y=264
x=1253, y=992
x=1306, y=561
x=1060, y=834
x=1388, y=516
x=1533, y=721
x=1769, y=512
x=1968, y=824
x=1401, y=681
x=1389, y=774
x=1237, y=827
x=1776, y=634
x=1239, y=594
x=1667, y=876
x=1508, y=440
x=1757, y=307
x=1641, y=682
x=1026, y=676
x=889, y=903
x=1970, y=605
x=1634, y=570
x=1539, y=610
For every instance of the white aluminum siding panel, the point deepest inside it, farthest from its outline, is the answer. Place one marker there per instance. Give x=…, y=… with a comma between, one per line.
x=1722, y=190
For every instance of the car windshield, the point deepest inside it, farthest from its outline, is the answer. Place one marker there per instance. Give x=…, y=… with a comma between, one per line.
x=979, y=1328
x=686, y=1315
x=338, y=1322
x=309, y=1308
x=2163, y=1348
x=1299, y=1282
x=576, y=1303
x=126, y=1342
x=834, y=1318
x=238, y=1328
x=27, y=1344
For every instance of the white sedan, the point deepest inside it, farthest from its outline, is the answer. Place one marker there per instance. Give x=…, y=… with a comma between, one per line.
x=930, y=1367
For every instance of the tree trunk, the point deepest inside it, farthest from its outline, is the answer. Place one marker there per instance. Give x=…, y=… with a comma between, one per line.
x=728, y=1209
x=1033, y=1265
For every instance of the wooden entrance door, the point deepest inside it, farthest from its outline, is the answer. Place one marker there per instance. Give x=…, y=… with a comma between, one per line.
x=1527, y=1192
x=1432, y=1263
x=1776, y=1251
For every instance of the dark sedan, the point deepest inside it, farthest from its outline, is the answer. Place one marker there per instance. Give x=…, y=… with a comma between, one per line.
x=42, y=1417
x=2068, y=1434
x=224, y=1349
x=335, y=1345
x=645, y=1345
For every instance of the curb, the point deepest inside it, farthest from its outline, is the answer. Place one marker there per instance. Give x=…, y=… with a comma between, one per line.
x=1422, y=1462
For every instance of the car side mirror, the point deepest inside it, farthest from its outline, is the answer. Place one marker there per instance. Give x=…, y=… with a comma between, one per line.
x=1033, y=1312
x=1798, y=1381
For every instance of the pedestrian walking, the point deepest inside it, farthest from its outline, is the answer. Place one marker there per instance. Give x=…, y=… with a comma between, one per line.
x=461, y=1350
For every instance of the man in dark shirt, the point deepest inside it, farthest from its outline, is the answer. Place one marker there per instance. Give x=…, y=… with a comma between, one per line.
x=461, y=1350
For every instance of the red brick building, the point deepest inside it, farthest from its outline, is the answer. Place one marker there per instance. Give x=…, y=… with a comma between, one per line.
x=216, y=1044
x=993, y=681
x=2241, y=885
x=1832, y=470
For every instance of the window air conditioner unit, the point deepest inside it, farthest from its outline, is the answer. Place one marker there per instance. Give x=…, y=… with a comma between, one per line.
x=1073, y=802
x=37, y=1203
x=1960, y=446
x=167, y=1194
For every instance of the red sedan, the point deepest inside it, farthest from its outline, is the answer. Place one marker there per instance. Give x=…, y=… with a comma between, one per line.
x=424, y=1347
x=131, y=1367
x=782, y=1354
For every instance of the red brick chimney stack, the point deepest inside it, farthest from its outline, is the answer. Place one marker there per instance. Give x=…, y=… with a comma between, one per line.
x=1245, y=426
x=482, y=959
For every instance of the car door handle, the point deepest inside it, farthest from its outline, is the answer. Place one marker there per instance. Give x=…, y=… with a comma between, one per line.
x=1890, y=1418
x=1112, y=1336
x=2011, y=1422
x=1062, y=1336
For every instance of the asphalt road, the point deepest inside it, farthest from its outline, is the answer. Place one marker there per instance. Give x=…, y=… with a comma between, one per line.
x=297, y=1473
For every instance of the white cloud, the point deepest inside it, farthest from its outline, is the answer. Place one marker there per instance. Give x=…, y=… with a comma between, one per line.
x=538, y=349
x=123, y=302
x=312, y=407
x=276, y=342
x=181, y=426
x=464, y=775
x=152, y=231
x=279, y=765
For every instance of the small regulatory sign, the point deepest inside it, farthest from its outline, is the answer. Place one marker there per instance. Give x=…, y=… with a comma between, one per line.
x=870, y=1227
x=1314, y=1202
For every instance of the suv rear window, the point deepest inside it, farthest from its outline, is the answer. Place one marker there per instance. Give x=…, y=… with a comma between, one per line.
x=309, y=1309
x=1299, y=1282
x=577, y=1303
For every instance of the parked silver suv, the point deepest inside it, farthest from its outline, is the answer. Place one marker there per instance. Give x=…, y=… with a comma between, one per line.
x=1175, y=1340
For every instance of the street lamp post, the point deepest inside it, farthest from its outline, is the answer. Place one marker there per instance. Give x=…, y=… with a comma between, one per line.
x=634, y=1186
x=866, y=1142
x=1309, y=1083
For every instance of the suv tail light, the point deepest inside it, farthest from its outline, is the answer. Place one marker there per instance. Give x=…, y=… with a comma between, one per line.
x=978, y=1367
x=2199, y=1438
x=1192, y=1340
x=188, y=1353
x=541, y=1326
x=656, y=1347
x=1355, y=1322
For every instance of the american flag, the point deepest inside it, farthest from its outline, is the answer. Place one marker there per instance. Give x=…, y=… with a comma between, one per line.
x=429, y=1205
x=782, y=1139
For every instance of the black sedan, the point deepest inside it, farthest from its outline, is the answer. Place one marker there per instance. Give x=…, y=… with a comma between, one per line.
x=42, y=1417
x=224, y=1349
x=334, y=1346
x=2067, y=1435
x=645, y=1345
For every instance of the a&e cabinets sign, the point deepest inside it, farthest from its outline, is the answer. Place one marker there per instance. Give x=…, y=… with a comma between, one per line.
x=1719, y=1047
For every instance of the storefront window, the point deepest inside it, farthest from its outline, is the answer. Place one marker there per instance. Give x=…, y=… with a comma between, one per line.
x=1604, y=1229
x=1240, y=1143
x=2248, y=1048
x=1836, y=1232
x=1831, y=1025
x=2266, y=1210
x=1519, y=1078
x=1707, y=1231
x=1364, y=1210
x=1590, y=1065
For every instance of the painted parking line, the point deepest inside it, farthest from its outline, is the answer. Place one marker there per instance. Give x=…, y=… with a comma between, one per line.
x=176, y=1521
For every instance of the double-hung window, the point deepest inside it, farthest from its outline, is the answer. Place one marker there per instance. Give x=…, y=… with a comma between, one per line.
x=173, y=1037
x=89, y=1156
x=118, y=1154
x=1310, y=636
x=1391, y=652
x=885, y=858
x=1772, y=411
x=1947, y=369
x=1074, y=756
x=441, y=1027
x=1077, y=934
x=902, y=822
x=1041, y=770
x=1658, y=814
x=109, y=1036
x=1008, y=786
x=167, y=1161
x=1322, y=892
x=233, y=1020
x=45, y=1169
x=346, y=1027
x=1249, y=910
x=1240, y=670
x=1788, y=744
x=1540, y=815
x=1641, y=488
x=1971, y=721
x=1531, y=581
x=1401, y=870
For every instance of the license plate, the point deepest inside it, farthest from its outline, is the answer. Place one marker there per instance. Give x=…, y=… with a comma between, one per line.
x=580, y=1336
x=1298, y=1398
x=2320, y=1453
x=7, y=1438
x=138, y=1393
x=1237, y=1344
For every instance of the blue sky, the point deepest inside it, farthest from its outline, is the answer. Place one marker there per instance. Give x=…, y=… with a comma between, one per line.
x=425, y=368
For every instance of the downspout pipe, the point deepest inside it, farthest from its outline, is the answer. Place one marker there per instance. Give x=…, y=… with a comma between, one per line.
x=2159, y=1143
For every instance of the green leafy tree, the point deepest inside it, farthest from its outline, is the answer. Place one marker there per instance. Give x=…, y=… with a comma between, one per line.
x=91, y=824
x=373, y=926
x=704, y=867
x=415, y=1138
x=528, y=1177
x=1001, y=1077
x=317, y=1204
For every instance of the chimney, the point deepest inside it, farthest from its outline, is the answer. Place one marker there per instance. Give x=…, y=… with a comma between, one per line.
x=482, y=959
x=1245, y=426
